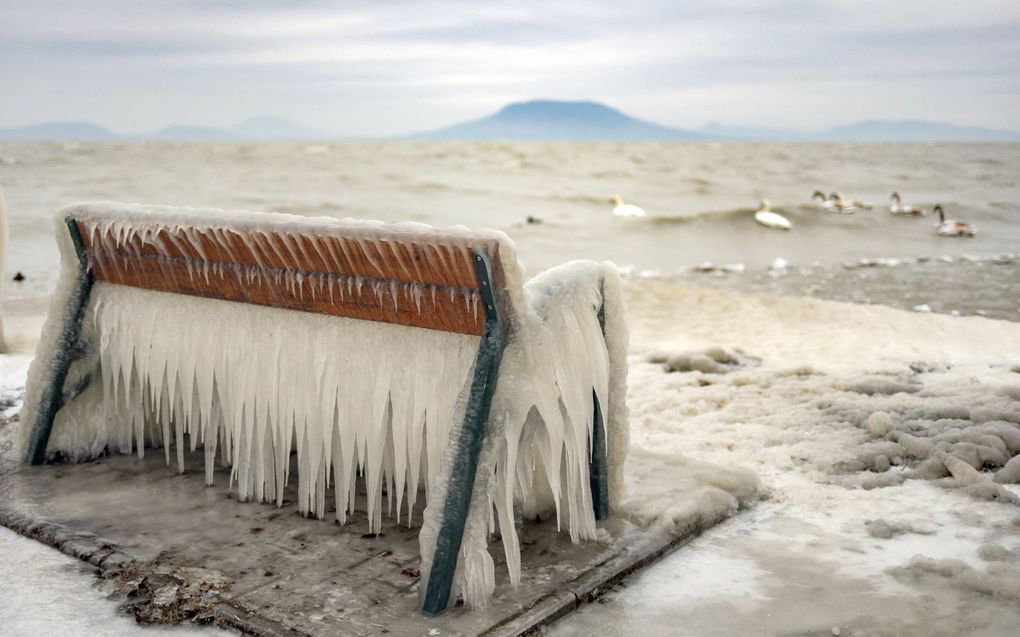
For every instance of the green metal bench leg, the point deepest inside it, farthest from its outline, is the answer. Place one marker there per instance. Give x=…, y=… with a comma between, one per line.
x=51, y=398
x=598, y=470
x=465, y=468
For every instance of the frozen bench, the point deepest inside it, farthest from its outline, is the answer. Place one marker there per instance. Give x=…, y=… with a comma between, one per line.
x=404, y=353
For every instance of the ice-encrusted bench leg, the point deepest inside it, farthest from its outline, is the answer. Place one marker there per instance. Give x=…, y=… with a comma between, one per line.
x=598, y=467
x=462, y=475
x=51, y=397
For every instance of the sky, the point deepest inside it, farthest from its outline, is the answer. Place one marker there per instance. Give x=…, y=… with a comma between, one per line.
x=393, y=67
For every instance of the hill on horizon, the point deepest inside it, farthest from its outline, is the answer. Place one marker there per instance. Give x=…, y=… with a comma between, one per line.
x=560, y=121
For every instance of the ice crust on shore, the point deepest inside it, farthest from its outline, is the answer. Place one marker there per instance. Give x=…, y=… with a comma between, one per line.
x=251, y=384
x=791, y=418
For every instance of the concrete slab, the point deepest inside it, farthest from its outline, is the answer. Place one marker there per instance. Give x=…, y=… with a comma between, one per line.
x=141, y=523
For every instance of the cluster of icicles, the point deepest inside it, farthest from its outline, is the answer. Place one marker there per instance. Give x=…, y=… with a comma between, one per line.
x=353, y=399
x=349, y=397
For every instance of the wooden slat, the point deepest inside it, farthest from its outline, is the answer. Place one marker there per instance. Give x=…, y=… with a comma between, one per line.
x=218, y=263
x=391, y=256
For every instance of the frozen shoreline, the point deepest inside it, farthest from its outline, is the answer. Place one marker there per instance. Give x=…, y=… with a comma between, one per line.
x=919, y=557
x=821, y=552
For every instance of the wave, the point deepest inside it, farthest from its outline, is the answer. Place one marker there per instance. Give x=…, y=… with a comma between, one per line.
x=780, y=265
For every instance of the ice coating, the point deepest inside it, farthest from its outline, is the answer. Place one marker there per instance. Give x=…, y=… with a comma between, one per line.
x=3, y=261
x=351, y=397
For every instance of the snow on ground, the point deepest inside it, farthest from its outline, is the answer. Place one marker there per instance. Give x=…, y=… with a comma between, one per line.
x=48, y=593
x=788, y=388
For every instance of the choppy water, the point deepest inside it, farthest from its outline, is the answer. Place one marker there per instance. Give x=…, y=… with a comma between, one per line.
x=700, y=198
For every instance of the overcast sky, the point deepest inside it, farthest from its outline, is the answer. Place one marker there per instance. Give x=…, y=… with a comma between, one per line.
x=378, y=68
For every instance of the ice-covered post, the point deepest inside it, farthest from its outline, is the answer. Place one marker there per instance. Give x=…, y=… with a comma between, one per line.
x=3, y=262
x=52, y=393
x=462, y=475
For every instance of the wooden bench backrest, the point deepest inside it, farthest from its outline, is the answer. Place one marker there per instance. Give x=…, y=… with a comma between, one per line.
x=386, y=273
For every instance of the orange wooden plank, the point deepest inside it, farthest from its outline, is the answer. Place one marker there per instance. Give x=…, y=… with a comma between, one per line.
x=299, y=272
x=373, y=301
x=392, y=257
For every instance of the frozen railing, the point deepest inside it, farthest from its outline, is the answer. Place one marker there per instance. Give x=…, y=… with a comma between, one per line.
x=416, y=358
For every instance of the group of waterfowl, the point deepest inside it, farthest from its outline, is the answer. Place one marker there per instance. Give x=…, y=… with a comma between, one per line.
x=945, y=228
x=837, y=203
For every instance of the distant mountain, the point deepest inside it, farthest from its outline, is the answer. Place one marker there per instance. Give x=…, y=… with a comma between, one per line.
x=176, y=132
x=567, y=121
x=276, y=128
x=535, y=120
x=721, y=132
x=255, y=128
x=917, y=131
x=62, y=131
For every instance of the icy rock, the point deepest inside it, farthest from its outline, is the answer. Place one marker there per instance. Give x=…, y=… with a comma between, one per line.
x=914, y=446
x=965, y=473
x=993, y=552
x=930, y=469
x=988, y=490
x=1008, y=432
x=880, y=423
x=881, y=464
x=882, y=386
x=952, y=412
x=978, y=456
x=879, y=529
x=989, y=414
x=714, y=360
x=1001, y=583
x=884, y=530
x=1010, y=473
x=704, y=364
x=883, y=480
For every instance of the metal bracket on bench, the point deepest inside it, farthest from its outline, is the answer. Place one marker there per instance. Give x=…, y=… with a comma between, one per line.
x=51, y=397
x=465, y=466
x=598, y=470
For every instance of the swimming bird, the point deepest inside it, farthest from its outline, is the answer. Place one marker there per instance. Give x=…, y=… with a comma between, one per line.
x=897, y=207
x=842, y=205
x=826, y=202
x=621, y=209
x=770, y=219
x=836, y=203
x=952, y=227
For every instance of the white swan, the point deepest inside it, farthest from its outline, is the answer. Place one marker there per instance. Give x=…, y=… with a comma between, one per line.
x=621, y=209
x=952, y=227
x=770, y=219
x=897, y=207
